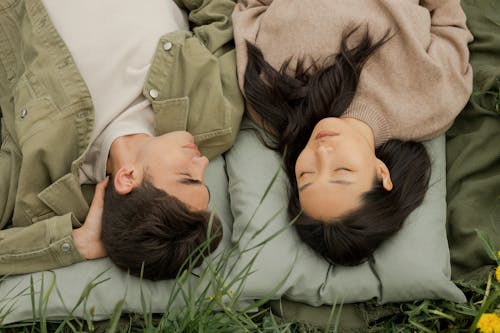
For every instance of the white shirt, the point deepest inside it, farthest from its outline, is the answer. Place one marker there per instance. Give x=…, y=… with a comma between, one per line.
x=112, y=43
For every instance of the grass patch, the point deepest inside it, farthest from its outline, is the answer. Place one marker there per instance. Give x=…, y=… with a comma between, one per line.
x=218, y=312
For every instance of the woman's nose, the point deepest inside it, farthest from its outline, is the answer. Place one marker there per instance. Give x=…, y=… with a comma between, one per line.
x=323, y=154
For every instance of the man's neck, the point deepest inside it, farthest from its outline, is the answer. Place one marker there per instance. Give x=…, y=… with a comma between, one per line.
x=124, y=150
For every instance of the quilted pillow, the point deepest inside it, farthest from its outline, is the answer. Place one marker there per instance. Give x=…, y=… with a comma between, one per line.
x=413, y=264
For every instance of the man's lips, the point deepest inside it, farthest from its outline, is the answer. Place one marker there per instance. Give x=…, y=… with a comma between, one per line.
x=192, y=146
x=324, y=134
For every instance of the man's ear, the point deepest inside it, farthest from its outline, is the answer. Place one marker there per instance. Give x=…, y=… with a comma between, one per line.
x=124, y=180
x=384, y=175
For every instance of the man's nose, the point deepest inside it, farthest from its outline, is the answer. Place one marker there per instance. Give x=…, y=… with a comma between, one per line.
x=199, y=165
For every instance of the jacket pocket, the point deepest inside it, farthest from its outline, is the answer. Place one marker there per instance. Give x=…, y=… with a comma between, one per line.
x=31, y=112
x=175, y=115
x=171, y=115
x=64, y=196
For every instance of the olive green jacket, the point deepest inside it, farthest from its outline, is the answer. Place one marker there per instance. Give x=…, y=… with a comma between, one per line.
x=47, y=120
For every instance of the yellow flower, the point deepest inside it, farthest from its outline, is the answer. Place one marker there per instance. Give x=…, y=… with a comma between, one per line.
x=497, y=273
x=211, y=298
x=489, y=323
x=498, y=254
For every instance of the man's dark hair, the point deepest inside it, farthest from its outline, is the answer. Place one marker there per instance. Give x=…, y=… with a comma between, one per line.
x=151, y=230
x=290, y=106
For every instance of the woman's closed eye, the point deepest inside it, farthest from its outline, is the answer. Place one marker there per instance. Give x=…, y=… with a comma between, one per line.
x=303, y=173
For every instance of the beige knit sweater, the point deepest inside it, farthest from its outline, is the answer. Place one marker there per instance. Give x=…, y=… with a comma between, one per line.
x=412, y=88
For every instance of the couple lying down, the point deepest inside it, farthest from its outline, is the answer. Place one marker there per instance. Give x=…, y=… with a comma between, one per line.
x=346, y=89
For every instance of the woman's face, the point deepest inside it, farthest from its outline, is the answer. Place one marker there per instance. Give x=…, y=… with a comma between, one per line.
x=336, y=167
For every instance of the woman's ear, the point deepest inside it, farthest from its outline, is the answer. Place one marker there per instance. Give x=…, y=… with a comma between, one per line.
x=124, y=180
x=384, y=175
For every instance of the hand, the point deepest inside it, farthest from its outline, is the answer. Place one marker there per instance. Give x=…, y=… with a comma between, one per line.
x=87, y=238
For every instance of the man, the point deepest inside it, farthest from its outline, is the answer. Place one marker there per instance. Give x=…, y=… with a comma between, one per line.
x=149, y=81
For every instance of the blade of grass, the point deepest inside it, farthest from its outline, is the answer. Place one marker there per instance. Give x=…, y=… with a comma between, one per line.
x=330, y=316
x=488, y=245
x=115, y=317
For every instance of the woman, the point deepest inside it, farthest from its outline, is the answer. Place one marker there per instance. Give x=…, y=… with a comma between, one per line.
x=347, y=88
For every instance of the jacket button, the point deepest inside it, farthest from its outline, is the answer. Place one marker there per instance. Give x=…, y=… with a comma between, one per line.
x=153, y=93
x=167, y=46
x=65, y=247
x=23, y=113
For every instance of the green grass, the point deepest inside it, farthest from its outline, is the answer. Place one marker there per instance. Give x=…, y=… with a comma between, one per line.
x=215, y=312
x=200, y=316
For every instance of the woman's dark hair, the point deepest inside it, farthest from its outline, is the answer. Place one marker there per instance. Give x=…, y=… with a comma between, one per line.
x=151, y=231
x=289, y=107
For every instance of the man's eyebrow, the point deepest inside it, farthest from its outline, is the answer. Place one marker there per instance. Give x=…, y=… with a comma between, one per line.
x=341, y=182
x=190, y=181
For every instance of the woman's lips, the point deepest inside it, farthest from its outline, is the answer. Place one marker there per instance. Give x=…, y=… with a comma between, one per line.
x=324, y=134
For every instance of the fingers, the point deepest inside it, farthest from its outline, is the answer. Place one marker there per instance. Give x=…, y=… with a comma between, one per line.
x=101, y=186
x=94, y=215
x=100, y=189
x=88, y=237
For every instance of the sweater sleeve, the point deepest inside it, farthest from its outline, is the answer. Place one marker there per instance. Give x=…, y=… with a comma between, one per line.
x=449, y=53
x=450, y=36
x=420, y=80
x=247, y=18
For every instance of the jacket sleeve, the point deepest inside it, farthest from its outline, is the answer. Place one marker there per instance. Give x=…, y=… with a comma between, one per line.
x=202, y=62
x=10, y=160
x=211, y=22
x=43, y=245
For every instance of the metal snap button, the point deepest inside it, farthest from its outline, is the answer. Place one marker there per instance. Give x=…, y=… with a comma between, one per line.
x=65, y=247
x=153, y=93
x=167, y=46
x=23, y=113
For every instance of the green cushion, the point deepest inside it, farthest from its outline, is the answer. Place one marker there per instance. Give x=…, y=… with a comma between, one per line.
x=413, y=264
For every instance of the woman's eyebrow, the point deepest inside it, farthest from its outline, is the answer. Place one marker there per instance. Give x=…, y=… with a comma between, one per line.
x=341, y=182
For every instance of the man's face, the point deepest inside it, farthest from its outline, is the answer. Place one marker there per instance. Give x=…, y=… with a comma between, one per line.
x=176, y=166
